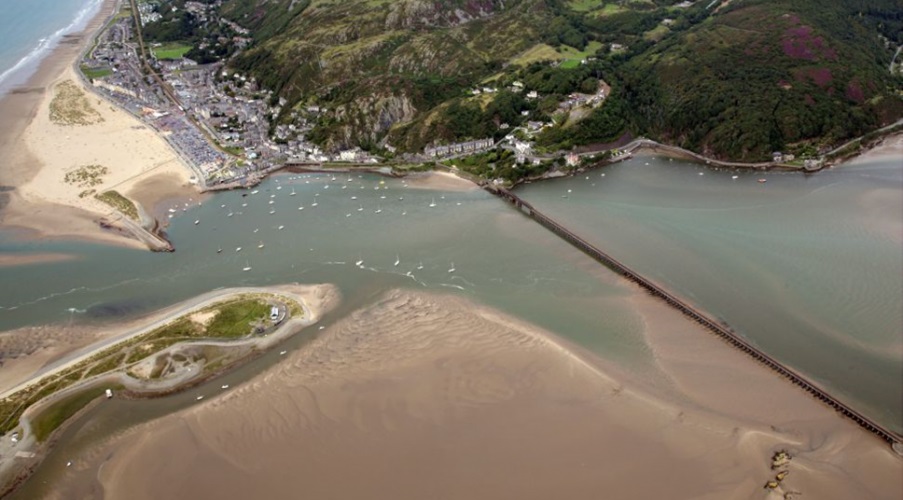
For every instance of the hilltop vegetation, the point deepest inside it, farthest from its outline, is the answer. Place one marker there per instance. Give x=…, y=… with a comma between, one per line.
x=732, y=79
x=765, y=76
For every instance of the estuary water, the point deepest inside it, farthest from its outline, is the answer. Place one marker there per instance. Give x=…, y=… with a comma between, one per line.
x=806, y=267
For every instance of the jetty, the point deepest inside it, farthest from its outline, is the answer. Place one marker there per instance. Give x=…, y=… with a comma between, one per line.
x=719, y=328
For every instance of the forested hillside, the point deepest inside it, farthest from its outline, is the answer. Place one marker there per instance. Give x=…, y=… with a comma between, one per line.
x=736, y=79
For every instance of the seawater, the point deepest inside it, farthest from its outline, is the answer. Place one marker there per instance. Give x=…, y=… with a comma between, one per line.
x=29, y=30
x=806, y=267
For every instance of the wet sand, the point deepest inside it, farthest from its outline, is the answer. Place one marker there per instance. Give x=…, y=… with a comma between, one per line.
x=33, y=258
x=429, y=396
x=889, y=147
x=437, y=180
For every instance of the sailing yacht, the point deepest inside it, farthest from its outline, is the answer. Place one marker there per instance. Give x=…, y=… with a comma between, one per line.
x=452, y=268
x=247, y=266
x=433, y=203
x=397, y=260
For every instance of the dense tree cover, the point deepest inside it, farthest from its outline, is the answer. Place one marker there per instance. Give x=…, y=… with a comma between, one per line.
x=501, y=164
x=469, y=119
x=758, y=76
x=604, y=124
x=805, y=73
x=174, y=26
x=555, y=80
x=181, y=26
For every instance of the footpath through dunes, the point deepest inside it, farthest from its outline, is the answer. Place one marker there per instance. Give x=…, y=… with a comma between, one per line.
x=431, y=396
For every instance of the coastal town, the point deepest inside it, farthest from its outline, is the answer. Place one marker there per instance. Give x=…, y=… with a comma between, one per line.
x=223, y=123
x=231, y=132
x=379, y=229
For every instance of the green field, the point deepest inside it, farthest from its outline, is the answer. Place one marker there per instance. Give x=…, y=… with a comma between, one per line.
x=569, y=56
x=93, y=73
x=585, y=5
x=170, y=51
x=234, y=320
x=50, y=419
x=572, y=56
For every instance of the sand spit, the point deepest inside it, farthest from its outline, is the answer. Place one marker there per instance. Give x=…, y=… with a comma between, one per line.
x=114, y=152
x=46, y=138
x=29, y=352
x=428, y=396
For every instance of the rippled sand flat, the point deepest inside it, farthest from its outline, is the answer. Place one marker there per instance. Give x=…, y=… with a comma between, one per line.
x=427, y=396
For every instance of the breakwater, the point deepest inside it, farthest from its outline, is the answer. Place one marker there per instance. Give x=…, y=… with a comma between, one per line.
x=717, y=327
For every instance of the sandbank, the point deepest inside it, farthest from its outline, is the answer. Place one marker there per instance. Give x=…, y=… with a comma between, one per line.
x=431, y=396
x=889, y=147
x=43, y=151
x=7, y=259
x=440, y=181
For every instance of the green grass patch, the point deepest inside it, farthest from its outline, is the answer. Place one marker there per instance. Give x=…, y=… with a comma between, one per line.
x=610, y=9
x=51, y=418
x=119, y=202
x=570, y=63
x=657, y=33
x=95, y=73
x=539, y=52
x=170, y=51
x=585, y=5
x=569, y=56
x=234, y=319
x=107, y=364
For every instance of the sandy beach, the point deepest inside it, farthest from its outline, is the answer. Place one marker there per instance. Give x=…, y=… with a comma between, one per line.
x=431, y=396
x=43, y=151
x=889, y=147
x=438, y=180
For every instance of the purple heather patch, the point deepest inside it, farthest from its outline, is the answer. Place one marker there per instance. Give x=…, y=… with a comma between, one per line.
x=798, y=43
x=855, y=93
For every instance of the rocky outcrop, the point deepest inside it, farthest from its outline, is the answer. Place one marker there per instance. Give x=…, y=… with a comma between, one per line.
x=408, y=14
x=369, y=119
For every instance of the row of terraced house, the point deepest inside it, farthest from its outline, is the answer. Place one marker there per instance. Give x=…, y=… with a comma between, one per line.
x=468, y=147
